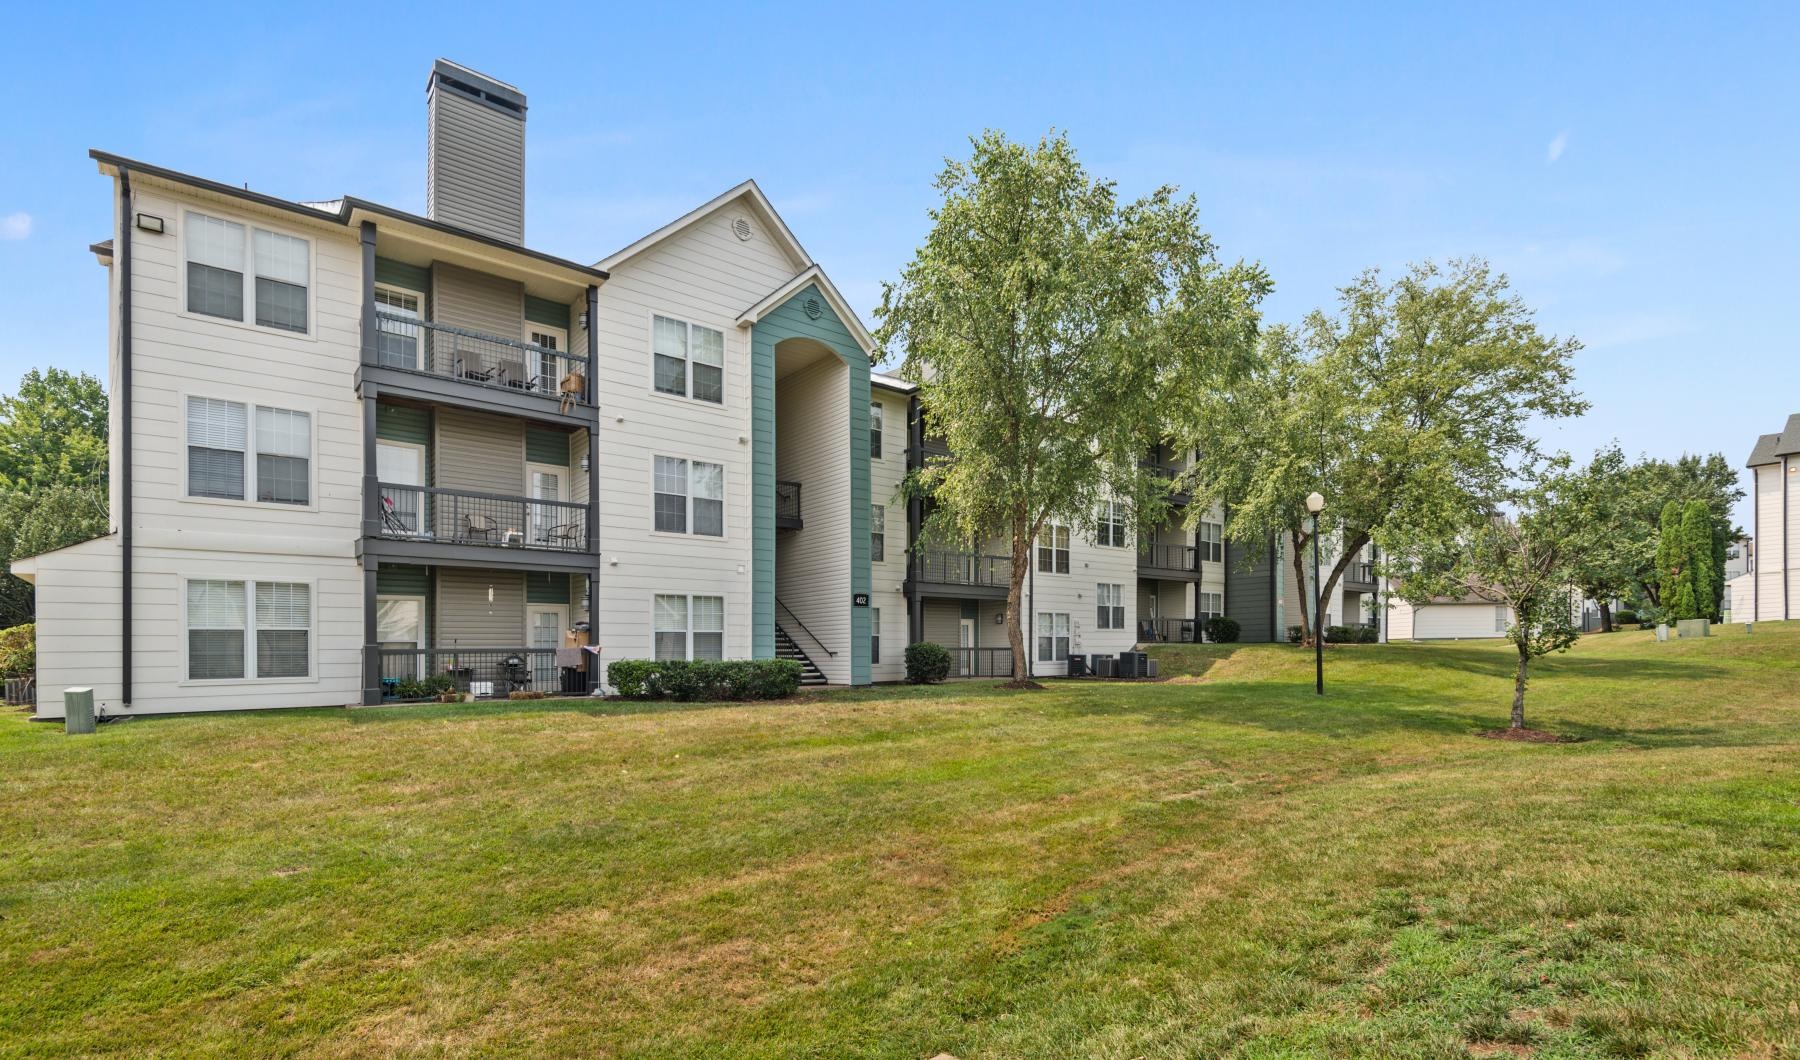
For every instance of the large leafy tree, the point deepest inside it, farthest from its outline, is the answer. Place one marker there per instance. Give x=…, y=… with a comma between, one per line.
x=52, y=432
x=1598, y=498
x=1654, y=484
x=1405, y=409
x=1047, y=321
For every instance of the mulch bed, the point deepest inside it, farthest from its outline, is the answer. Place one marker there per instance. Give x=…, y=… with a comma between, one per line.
x=1526, y=736
x=1024, y=684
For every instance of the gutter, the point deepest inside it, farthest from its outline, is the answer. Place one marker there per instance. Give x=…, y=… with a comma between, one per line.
x=122, y=259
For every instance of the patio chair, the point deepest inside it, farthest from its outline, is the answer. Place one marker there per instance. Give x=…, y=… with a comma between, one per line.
x=479, y=527
x=1147, y=631
x=563, y=536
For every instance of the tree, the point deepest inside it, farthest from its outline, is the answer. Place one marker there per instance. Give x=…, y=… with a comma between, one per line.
x=1405, y=410
x=1674, y=575
x=53, y=432
x=1654, y=483
x=1046, y=323
x=34, y=523
x=1522, y=563
x=1604, y=562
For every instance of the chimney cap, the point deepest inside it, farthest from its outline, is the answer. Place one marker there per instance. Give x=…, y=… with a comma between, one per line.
x=475, y=83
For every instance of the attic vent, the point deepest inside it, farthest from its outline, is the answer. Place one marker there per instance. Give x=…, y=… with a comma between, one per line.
x=813, y=308
x=741, y=228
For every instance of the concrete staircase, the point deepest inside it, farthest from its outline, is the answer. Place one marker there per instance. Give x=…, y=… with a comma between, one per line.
x=785, y=648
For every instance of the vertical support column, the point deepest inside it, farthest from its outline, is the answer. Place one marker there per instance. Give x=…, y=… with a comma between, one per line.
x=1199, y=576
x=371, y=526
x=593, y=514
x=915, y=517
x=368, y=292
x=371, y=695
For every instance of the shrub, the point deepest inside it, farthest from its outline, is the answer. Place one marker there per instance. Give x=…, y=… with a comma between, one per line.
x=1296, y=634
x=18, y=651
x=1222, y=630
x=429, y=687
x=705, y=681
x=927, y=663
x=1337, y=634
x=1625, y=618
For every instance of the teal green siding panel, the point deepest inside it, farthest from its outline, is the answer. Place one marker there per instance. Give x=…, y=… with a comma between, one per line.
x=400, y=423
x=790, y=321
x=415, y=278
x=762, y=491
x=546, y=587
x=545, y=446
x=544, y=311
x=402, y=581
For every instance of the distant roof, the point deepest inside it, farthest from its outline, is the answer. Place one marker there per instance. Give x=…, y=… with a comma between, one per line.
x=1772, y=447
x=894, y=383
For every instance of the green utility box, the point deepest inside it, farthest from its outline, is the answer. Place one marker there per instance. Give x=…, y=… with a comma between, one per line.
x=78, y=710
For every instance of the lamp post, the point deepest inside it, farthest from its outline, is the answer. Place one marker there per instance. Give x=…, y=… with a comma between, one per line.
x=1315, y=503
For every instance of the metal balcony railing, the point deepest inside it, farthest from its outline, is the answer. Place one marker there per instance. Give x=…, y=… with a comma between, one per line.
x=488, y=673
x=472, y=357
x=962, y=568
x=464, y=517
x=1169, y=557
x=1361, y=573
x=787, y=505
x=981, y=662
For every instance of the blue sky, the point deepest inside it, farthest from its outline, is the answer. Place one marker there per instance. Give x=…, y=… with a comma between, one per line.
x=1633, y=168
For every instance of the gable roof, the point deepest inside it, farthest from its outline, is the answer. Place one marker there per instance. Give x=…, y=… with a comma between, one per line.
x=1771, y=447
x=784, y=237
x=813, y=274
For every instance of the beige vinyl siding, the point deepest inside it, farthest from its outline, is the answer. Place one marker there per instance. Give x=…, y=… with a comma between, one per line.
x=941, y=621
x=705, y=276
x=478, y=301
x=812, y=566
x=1769, y=567
x=887, y=579
x=1076, y=594
x=475, y=155
x=1400, y=620
x=467, y=619
x=1469, y=620
x=77, y=623
x=478, y=451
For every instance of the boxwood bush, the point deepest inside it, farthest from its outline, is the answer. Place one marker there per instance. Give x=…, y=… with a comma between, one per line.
x=927, y=663
x=705, y=681
x=1625, y=618
x=18, y=651
x=1222, y=630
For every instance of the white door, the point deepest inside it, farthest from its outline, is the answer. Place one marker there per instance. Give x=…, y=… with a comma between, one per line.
x=400, y=625
x=400, y=465
x=549, y=524
x=548, y=376
x=965, y=640
x=544, y=625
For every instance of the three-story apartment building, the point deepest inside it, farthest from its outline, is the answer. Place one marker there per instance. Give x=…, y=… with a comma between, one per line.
x=354, y=448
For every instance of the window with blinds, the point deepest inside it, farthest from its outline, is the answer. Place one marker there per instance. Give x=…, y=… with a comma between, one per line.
x=688, y=496
x=234, y=625
x=217, y=435
x=670, y=494
x=689, y=627
x=219, y=440
x=229, y=264
x=1109, y=606
x=877, y=533
x=688, y=359
x=283, y=629
x=215, y=629
x=1053, y=550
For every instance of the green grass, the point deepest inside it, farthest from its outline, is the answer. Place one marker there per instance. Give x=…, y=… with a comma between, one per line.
x=1221, y=864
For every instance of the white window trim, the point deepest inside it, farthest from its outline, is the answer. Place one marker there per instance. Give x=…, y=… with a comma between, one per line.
x=724, y=626
x=687, y=399
x=1049, y=533
x=1037, y=645
x=250, y=678
x=562, y=348
x=311, y=334
x=878, y=411
x=1123, y=520
x=724, y=500
x=250, y=501
x=1118, y=604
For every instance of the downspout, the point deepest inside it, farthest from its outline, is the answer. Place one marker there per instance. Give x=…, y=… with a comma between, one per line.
x=1787, y=557
x=915, y=517
x=1027, y=620
x=123, y=257
x=371, y=491
x=593, y=517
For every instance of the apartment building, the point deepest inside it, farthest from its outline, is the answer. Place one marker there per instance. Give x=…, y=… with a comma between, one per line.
x=1268, y=599
x=354, y=447
x=1773, y=579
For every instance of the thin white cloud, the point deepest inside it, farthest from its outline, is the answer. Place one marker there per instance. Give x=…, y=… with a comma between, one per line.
x=1557, y=147
x=15, y=226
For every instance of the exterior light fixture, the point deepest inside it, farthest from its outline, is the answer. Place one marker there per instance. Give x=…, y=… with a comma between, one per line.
x=149, y=222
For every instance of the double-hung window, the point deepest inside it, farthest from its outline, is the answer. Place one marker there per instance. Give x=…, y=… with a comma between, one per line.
x=1109, y=606
x=683, y=500
x=689, y=360
x=877, y=533
x=221, y=435
x=1112, y=524
x=875, y=430
x=875, y=635
x=230, y=265
x=396, y=327
x=1212, y=543
x=689, y=627
x=235, y=628
x=1053, y=549
x=1053, y=636
x=1212, y=605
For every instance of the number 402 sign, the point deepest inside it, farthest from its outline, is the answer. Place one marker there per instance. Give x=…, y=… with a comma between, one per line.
x=859, y=599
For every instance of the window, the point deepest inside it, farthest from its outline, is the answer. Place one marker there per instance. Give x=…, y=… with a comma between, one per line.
x=689, y=627
x=1053, y=550
x=1212, y=605
x=875, y=635
x=1212, y=543
x=229, y=623
x=672, y=498
x=875, y=430
x=877, y=533
x=548, y=372
x=218, y=284
x=1499, y=618
x=218, y=437
x=689, y=360
x=1053, y=636
x=1112, y=524
x=396, y=341
x=1109, y=606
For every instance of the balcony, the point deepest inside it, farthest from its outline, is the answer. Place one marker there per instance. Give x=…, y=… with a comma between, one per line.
x=986, y=576
x=787, y=506
x=981, y=662
x=1360, y=577
x=418, y=357
x=1169, y=561
x=492, y=673
x=1169, y=630
x=429, y=524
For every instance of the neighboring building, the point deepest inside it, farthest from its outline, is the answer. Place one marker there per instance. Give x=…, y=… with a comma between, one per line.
x=1447, y=618
x=1774, y=567
x=354, y=447
x=1267, y=599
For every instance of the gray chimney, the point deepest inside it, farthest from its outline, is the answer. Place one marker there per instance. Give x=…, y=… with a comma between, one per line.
x=475, y=152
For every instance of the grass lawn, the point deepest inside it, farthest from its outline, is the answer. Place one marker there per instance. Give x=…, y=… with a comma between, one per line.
x=1216, y=864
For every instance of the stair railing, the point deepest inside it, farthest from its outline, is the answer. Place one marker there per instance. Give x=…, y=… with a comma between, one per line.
x=796, y=619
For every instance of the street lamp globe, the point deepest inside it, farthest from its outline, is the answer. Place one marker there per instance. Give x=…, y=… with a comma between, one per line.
x=1315, y=502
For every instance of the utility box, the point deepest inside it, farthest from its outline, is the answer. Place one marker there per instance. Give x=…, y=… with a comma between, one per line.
x=78, y=710
x=1693, y=627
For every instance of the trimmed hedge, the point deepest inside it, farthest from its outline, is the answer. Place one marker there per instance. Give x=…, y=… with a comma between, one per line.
x=1222, y=630
x=18, y=651
x=927, y=663
x=703, y=681
x=1625, y=618
x=1350, y=634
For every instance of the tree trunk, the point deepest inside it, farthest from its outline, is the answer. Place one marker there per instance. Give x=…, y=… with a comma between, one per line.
x=1605, y=617
x=1518, y=711
x=1299, y=542
x=1015, y=598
